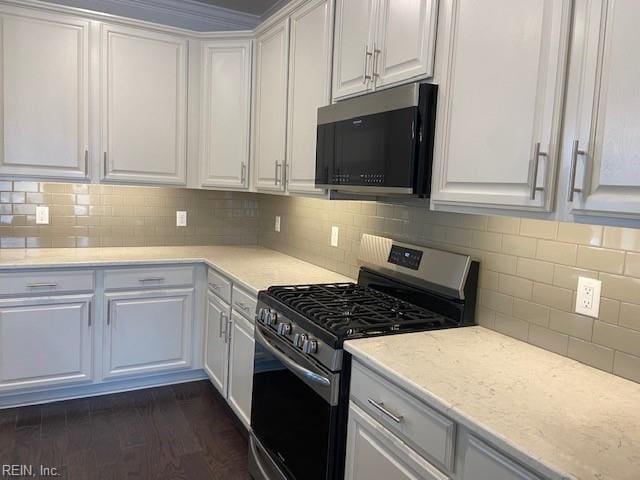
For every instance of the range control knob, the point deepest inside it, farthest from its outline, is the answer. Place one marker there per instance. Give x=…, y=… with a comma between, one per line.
x=261, y=315
x=271, y=318
x=299, y=339
x=310, y=346
x=284, y=328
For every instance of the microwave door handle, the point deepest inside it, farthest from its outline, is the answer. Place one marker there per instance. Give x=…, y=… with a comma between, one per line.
x=308, y=374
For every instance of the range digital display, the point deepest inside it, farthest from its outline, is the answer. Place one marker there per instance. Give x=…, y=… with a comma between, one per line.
x=405, y=257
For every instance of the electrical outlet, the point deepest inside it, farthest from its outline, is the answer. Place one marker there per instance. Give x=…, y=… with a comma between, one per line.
x=588, y=297
x=42, y=215
x=181, y=218
x=277, y=225
x=334, y=236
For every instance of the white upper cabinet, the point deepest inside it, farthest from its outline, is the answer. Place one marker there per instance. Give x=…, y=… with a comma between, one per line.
x=500, y=103
x=309, y=88
x=225, y=115
x=605, y=148
x=44, y=94
x=353, y=52
x=144, y=105
x=269, y=140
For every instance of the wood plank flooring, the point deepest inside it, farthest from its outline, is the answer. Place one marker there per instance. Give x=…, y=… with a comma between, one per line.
x=180, y=431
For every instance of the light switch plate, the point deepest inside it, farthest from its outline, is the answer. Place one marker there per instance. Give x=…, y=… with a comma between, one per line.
x=334, y=236
x=588, y=297
x=42, y=215
x=181, y=218
x=277, y=225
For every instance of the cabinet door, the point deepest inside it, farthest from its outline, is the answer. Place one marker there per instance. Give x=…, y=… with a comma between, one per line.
x=272, y=64
x=481, y=462
x=144, y=106
x=500, y=104
x=226, y=104
x=374, y=453
x=44, y=74
x=216, y=347
x=45, y=341
x=309, y=88
x=241, y=346
x=607, y=149
x=147, y=332
x=353, y=50
x=405, y=41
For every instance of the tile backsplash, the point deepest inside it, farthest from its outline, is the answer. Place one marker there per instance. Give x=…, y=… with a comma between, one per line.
x=107, y=215
x=528, y=273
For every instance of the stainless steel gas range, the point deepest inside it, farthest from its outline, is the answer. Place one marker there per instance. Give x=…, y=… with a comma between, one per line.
x=301, y=372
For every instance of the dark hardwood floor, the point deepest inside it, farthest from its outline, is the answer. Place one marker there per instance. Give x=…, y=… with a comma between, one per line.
x=181, y=431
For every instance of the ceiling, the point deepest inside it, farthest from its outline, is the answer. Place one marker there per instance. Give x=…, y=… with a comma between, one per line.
x=253, y=7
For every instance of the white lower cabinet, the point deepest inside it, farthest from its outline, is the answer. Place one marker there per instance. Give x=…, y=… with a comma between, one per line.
x=216, y=356
x=481, y=462
x=241, y=348
x=45, y=341
x=147, y=331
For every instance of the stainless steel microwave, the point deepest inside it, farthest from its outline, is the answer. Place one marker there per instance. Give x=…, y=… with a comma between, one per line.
x=378, y=144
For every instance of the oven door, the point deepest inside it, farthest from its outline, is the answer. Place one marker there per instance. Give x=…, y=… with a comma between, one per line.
x=294, y=412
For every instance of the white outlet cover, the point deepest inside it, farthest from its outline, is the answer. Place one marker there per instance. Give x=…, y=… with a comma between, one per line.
x=277, y=225
x=181, y=218
x=588, y=297
x=334, y=236
x=42, y=215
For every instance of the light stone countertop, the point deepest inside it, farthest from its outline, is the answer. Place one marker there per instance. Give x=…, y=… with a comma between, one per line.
x=253, y=267
x=542, y=409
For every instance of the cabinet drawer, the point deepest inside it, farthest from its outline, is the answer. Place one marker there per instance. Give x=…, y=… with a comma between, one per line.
x=424, y=429
x=219, y=285
x=48, y=281
x=481, y=462
x=148, y=277
x=244, y=303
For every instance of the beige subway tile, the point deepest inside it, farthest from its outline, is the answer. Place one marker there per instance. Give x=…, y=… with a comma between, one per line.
x=519, y=246
x=515, y=286
x=499, y=263
x=38, y=242
x=539, y=228
x=63, y=242
x=609, y=310
x=6, y=186
x=567, y=277
x=79, y=188
x=629, y=316
x=457, y=236
x=618, y=338
x=632, y=265
x=37, y=198
x=497, y=302
x=574, y=325
x=485, y=317
x=601, y=259
x=55, y=188
x=24, y=209
x=557, y=252
x=113, y=200
x=12, y=197
x=548, y=339
x=536, y=270
x=116, y=242
x=531, y=312
x=512, y=327
x=87, y=242
x=622, y=238
x=508, y=225
x=487, y=241
x=555, y=297
x=488, y=279
x=63, y=198
x=627, y=366
x=626, y=289
x=580, y=233
x=591, y=354
x=12, y=242
x=461, y=220
x=25, y=186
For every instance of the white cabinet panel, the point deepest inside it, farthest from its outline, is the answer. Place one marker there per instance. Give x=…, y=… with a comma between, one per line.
x=501, y=96
x=405, y=40
x=216, y=347
x=481, y=462
x=272, y=64
x=607, y=153
x=226, y=104
x=148, y=331
x=309, y=88
x=45, y=341
x=44, y=94
x=144, y=107
x=353, y=51
x=241, y=348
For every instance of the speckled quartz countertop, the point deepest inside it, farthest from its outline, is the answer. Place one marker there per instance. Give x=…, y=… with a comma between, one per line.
x=254, y=267
x=542, y=409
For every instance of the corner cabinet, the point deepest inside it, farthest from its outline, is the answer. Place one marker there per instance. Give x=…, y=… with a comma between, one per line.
x=44, y=92
x=144, y=105
x=225, y=113
x=500, y=106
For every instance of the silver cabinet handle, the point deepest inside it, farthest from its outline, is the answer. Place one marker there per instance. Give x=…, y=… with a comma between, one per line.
x=89, y=312
x=376, y=54
x=104, y=165
x=536, y=163
x=243, y=173
x=151, y=279
x=381, y=408
x=86, y=163
x=220, y=325
x=285, y=178
x=108, y=312
x=277, y=173
x=229, y=329
x=367, y=54
x=572, y=175
x=42, y=285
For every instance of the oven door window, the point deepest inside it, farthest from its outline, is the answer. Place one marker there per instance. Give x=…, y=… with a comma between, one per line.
x=290, y=419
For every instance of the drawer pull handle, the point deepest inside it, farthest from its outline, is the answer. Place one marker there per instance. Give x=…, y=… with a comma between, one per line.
x=151, y=279
x=41, y=285
x=243, y=306
x=380, y=407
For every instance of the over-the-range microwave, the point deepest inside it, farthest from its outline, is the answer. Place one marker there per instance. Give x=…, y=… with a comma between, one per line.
x=378, y=144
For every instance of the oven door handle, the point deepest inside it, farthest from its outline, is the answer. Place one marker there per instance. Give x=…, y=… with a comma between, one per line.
x=308, y=374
